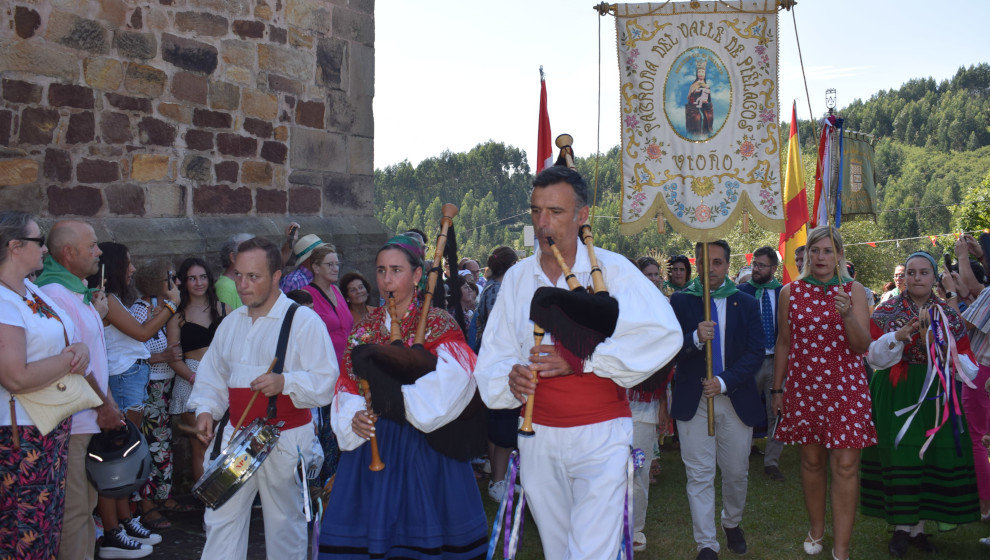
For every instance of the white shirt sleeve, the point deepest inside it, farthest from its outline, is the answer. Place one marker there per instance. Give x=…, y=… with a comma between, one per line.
x=438, y=397
x=885, y=351
x=345, y=405
x=500, y=349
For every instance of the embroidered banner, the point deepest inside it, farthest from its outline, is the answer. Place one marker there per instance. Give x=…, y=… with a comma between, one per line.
x=699, y=115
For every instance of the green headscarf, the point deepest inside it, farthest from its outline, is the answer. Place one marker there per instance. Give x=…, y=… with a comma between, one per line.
x=771, y=285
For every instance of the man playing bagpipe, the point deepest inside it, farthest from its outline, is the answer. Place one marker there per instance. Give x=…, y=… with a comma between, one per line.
x=575, y=466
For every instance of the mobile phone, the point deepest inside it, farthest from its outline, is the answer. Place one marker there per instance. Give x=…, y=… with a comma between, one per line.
x=948, y=261
x=293, y=230
x=171, y=275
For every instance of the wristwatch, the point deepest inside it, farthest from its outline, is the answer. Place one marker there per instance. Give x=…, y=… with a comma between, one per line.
x=950, y=295
x=776, y=391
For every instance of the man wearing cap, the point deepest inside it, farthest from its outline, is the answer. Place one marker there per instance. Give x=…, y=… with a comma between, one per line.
x=303, y=274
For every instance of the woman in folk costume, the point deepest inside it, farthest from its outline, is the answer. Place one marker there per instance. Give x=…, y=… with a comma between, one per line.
x=424, y=503
x=922, y=466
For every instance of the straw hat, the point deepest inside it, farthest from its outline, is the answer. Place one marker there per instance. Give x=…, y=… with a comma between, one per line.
x=304, y=247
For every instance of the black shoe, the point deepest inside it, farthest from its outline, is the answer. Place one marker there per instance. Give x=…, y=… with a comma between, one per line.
x=734, y=539
x=706, y=554
x=899, y=544
x=773, y=472
x=920, y=542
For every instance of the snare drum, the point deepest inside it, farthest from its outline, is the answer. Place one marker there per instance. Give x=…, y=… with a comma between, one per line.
x=242, y=456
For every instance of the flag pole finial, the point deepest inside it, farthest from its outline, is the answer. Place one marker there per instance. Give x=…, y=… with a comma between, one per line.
x=542, y=75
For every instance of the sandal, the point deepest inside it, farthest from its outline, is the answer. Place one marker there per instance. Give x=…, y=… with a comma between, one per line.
x=154, y=520
x=176, y=506
x=812, y=545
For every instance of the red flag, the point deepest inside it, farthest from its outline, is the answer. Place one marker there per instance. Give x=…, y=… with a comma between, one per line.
x=872, y=244
x=932, y=238
x=544, y=147
x=749, y=258
x=795, y=205
x=691, y=260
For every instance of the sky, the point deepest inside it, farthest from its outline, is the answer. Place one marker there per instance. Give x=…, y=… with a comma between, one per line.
x=450, y=75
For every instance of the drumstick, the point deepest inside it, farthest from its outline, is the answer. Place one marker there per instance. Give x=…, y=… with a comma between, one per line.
x=244, y=414
x=103, y=278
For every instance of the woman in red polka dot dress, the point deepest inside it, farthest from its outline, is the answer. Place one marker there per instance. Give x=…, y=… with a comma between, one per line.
x=825, y=405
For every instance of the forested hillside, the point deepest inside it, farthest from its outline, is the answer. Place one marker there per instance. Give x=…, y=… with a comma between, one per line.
x=932, y=162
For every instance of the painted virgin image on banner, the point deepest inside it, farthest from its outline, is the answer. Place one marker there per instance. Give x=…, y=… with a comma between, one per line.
x=697, y=94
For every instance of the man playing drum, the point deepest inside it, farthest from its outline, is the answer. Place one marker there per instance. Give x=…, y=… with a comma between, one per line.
x=574, y=467
x=236, y=364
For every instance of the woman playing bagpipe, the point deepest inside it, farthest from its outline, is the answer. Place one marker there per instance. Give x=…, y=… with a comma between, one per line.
x=922, y=467
x=424, y=502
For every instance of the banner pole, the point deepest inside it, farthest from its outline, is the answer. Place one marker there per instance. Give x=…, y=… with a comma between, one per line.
x=707, y=305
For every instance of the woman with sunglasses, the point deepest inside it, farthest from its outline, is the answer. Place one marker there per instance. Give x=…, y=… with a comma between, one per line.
x=34, y=354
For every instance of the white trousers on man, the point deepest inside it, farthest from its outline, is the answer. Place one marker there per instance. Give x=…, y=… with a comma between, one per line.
x=729, y=449
x=575, y=481
x=281, y=504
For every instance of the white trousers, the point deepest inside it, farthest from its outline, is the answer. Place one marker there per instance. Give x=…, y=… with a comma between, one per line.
x=281, y=504
x=575, y=480
x=645, y=438
x=729, y=449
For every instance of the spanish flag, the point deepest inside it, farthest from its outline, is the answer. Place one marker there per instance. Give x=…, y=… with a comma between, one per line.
x=544, y=147
x=795, y=204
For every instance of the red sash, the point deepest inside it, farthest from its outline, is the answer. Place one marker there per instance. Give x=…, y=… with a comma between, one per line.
x=578, y=400
x=287, y=411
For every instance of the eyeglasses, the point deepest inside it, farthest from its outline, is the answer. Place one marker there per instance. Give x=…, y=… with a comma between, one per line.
x=332, y=264
x=899, y=275
x=39, y=240
x=761, y=266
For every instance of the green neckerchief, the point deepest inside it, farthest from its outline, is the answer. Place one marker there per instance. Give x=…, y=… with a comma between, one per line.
x=771, y=285
x=696, y=288
x=54, y=273
x=833, y=281
x=671, y=287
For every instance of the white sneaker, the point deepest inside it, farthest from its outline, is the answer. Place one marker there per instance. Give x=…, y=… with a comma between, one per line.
x=496, y=490
x=139, y=532
x=116, y=544
x=639, y=542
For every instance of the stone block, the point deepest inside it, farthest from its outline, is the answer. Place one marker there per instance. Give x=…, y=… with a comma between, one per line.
x=277, y=34
x=82, y=128
x=25, y=198
x=351, y=25
x=281, y=133
x=361, y=155
x=364, y=119
x=201, y=23
x=137, y=19
x=26, y=22
x=304, y=200
x=274, y=152
x=331, y=61
x=77, y=33
x=361, y=69
x=113, y=11
x=211, y=119
x=166, y=199
x=132, y=44
x=69, y=95
x=30, y=57
x=155, y=132
x=197, y=168
x=176, y=112
x=221, y=199
x=239, y=75
x=310, y=113
x=256, y=173
x=240, y=53
x=125, y=199
x=149, y=167
x=258, y=127
x=57, y=165
x=248, y=29
x=234, y=7
x=126, y=103
x=188, y=54
x=201, y=140
x=236, y=146
x=293, y=63
x=148, y=81
x=103, y=73
x=74, y=201
x=270, y=201
x=299, y=38
x=189, y=86
x=38, y=125
x=97, y=171
x=259, y=104
x=263, y=10
x=17, y=91
x=283, y=84
x=346, y=193
x=366, y=6
x=318, y=150
x=6, y=123
x=115, y=128
x=313, y=15
x=226, y=171
x=18, y=171
x=224, y=96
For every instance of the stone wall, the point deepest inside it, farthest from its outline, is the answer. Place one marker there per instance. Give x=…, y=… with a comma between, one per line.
x=170, y=124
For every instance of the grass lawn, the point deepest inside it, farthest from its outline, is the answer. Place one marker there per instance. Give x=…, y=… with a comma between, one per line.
x=775, y=522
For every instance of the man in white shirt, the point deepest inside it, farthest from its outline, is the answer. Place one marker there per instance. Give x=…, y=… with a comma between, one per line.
x=574, y=467
x=236, y=365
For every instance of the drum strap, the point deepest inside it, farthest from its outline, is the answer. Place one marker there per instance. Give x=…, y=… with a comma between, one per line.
x=280, y=347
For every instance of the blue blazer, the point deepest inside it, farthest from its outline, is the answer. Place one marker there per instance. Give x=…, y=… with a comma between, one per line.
x=748, y=288
x=744, y=354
